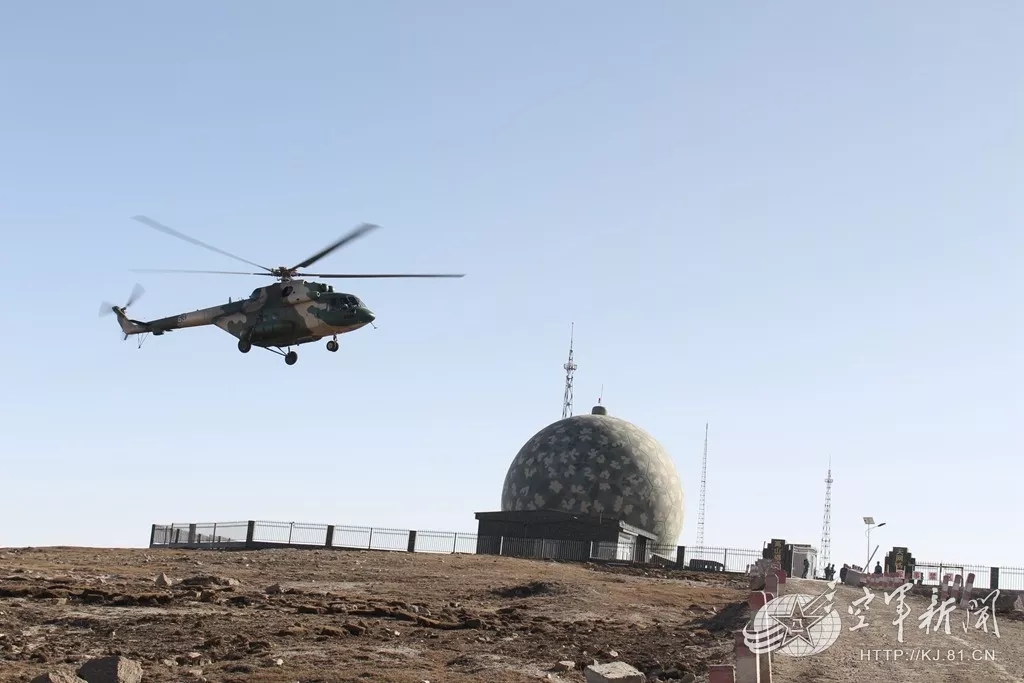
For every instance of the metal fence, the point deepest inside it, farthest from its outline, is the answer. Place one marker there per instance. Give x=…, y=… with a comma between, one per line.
x=986, y=577
x=256, y=534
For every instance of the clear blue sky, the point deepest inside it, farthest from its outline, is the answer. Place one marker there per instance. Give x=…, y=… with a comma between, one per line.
x=799, y=222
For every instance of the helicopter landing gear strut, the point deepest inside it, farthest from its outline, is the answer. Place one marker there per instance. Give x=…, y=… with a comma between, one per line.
x=289, y=358
x=332, y=345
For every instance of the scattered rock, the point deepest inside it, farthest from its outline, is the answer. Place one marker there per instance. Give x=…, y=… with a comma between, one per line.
x=207, y=580
x=332, y=632
x=111, y=670
x=564, y=665
x=613, y=672
x=164, y=580
x=58, y=677
x=354, y=629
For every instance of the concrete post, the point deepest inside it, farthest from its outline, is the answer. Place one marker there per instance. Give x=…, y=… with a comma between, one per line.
x=330, y=536
x=152, y=535
x=191, y=534
x=721, y=673
x=751, y=668
x=412, y=542
x=771, y=584
x=250, y=533
x=993, y=578
x=681, y=557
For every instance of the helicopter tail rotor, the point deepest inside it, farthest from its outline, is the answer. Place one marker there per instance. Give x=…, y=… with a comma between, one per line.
x=128, y=326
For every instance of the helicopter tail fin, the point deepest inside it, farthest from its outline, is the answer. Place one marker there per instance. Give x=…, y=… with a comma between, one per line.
x=128, y=326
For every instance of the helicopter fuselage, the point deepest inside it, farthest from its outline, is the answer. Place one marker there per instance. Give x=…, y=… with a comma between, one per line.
x=280, y=315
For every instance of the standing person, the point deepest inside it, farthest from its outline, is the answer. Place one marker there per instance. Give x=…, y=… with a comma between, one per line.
x=842, y=573
x=878, y=567
x=807, y=566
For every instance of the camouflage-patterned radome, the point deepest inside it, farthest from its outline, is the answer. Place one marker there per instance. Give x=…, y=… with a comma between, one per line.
x=598, y=465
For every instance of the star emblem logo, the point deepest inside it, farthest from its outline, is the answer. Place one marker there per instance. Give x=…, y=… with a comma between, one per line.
x=799, y=621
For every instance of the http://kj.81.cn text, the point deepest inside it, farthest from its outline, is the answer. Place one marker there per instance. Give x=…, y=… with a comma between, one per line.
x=928, y=655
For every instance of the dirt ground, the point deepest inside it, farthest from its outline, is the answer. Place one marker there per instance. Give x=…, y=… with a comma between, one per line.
x=962, y=656
x=320, y=615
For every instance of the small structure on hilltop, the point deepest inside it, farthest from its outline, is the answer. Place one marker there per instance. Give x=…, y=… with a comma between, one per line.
x=791, y=556
x=557, y=535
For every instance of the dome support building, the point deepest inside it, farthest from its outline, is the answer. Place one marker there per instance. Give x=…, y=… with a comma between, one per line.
x=557, y=535
x=589, y=479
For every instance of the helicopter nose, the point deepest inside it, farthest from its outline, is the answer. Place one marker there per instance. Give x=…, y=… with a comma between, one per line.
x=365, y=315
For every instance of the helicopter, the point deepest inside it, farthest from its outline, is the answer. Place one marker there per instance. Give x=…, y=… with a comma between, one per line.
x=275, y=317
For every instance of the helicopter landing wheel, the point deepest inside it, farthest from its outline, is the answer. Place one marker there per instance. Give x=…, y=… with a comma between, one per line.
x=291, y=357
x=332, y=345
x=244, y=345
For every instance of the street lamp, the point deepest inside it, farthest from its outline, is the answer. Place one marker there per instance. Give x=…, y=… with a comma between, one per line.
x=870, y=521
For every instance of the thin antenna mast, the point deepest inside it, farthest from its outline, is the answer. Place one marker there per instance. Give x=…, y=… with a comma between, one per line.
x=570, y=368
x=826, y=524
x=703, y=490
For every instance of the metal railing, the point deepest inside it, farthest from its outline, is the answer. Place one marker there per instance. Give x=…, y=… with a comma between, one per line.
x=261, y=533
x=255, y=534
x=986, y=577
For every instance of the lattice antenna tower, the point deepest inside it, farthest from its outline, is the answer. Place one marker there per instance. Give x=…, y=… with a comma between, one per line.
x=570, y=368
x=703, y=490
x=826, y=524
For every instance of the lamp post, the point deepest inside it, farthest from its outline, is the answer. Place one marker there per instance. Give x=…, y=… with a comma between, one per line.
x=870, y=521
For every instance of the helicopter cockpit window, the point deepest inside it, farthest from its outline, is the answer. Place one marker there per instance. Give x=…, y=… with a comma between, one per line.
x=255, y=294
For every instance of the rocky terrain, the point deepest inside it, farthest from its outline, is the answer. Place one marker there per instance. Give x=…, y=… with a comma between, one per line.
x=319, y=615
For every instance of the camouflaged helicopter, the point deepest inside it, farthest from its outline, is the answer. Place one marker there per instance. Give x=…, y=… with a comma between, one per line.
x=276, y=317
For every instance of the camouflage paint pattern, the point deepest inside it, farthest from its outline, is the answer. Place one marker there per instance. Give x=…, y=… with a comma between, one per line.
x=279, y=315
x=602, y=466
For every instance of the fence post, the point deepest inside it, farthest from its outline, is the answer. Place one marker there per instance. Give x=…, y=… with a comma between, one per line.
x=152, y=535
x=191, y=534
x=455, y=541
x=412, y=541
x=369, y=544
x=213, y=536
x=725, y=559
x=330, y=536
x=501, y=545
x=291, y=526
x=680, y=557
x=250, y=533
x=993, y=578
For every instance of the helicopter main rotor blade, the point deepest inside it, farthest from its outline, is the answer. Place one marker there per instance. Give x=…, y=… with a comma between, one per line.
x=208, y=272
x=171, y=231
x=378, y=275
x=353, y=234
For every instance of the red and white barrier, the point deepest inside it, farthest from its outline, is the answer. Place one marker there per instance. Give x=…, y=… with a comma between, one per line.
x=889, y=580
